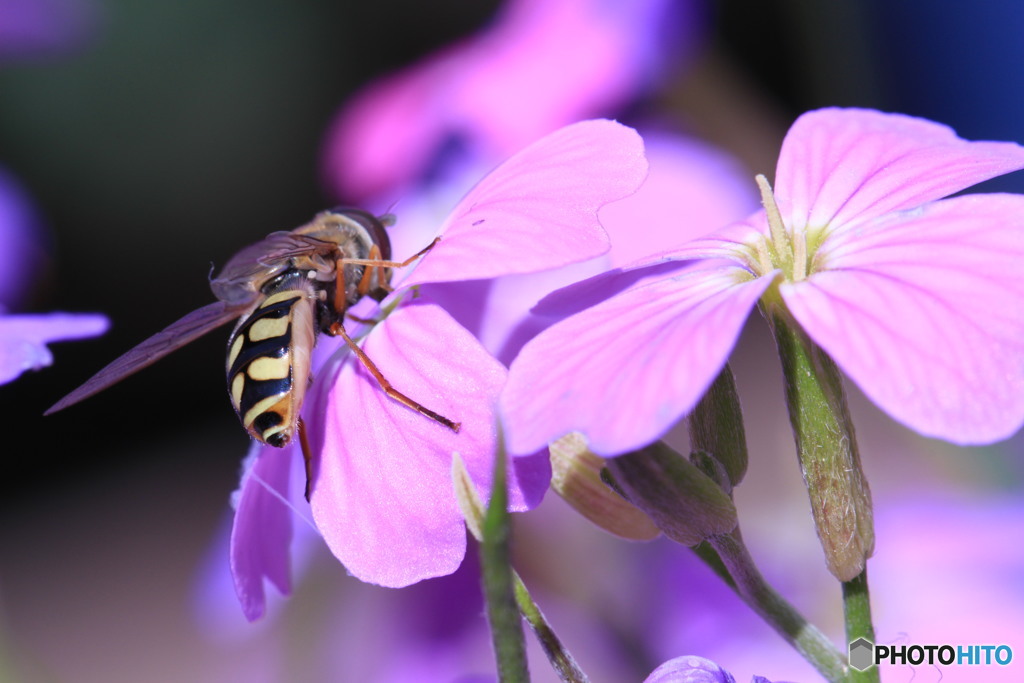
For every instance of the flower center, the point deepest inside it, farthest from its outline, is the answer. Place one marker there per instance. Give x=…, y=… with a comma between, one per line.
x=781, y=249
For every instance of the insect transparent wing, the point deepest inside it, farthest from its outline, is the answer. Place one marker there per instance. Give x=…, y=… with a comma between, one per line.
x=240, y=277
x=194, y=325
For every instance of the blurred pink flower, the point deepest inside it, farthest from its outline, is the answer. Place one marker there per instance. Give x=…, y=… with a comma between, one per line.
x=23, y=337
x=21, y=251
x=542, y=64
x=919, y=301
x=31, y=28
x=381, y=491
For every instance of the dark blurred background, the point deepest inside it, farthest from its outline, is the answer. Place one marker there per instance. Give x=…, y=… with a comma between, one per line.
x=179, y=132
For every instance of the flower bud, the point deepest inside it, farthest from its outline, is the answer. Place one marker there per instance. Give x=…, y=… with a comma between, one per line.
x=686, y=504
x=576, y=477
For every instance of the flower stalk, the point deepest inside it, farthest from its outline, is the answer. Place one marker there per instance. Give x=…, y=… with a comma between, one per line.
x=751, y=586
x=499, y=590
x=472, y=509
x=857, y=615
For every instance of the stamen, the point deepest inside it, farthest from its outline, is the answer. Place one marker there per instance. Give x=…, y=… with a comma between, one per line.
x=780, y=238
x=764, y=260
x=799, y=255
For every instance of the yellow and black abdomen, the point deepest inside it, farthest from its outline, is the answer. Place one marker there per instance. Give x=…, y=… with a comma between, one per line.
x=268, y=361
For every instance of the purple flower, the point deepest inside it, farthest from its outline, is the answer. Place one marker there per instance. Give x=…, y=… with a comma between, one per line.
x=919, y=301
x=23, y=337
x=690, y=190
x=690, y=669
x=28, y=27
x=497, y=91
x=34, y=27
x=381, y=493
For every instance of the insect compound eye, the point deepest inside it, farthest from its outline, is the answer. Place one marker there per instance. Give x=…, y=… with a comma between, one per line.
x=372, y=225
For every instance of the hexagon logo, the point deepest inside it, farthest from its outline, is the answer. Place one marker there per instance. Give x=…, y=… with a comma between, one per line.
x=862, y=654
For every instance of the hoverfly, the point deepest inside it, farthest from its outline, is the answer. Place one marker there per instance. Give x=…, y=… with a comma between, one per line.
x=283, y=291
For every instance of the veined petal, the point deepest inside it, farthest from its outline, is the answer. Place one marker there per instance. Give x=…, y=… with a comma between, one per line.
x=538, y=210
x=723, y=248
x=624, y=371
x=23, y=338
x=262, y=530
x=925, y=312
x=841, y=167
x=382, y=491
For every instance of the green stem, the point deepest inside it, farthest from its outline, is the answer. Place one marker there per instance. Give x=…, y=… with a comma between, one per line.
x=561, y=659
x=502, y=611
x=857, y=613
x=815, y=647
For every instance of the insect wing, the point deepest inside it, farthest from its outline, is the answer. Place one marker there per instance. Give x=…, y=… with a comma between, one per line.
x=240, y=277
x=192, y=326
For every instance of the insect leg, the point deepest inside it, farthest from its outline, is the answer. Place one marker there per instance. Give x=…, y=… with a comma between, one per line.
x=390, y=264
x=339, y=330
x=307, y=456
x=364, y=283
x=365, y=321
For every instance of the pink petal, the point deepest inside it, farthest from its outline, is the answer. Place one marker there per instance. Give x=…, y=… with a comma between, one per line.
x=538, y=210
x=842, y=166
x=382, y=494
x=722, y=248
x=23, y=338
x=691, y=191
x=624, y=371
x=924, y=312
x=262, y=530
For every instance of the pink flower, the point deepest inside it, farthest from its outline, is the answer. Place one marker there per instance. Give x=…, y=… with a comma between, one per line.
x=917, y=298
x=542, y=64
x=381, y=487
x=30, y=28
x=23, y=337
x=690, y=190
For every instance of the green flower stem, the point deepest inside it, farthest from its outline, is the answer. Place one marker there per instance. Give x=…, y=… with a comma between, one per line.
x=561, y=659
x=748, y=583
x=825, y=444
x=857, y=613
x=502, y=610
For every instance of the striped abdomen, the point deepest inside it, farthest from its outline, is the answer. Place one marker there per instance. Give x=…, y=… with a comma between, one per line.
x=268, y=362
